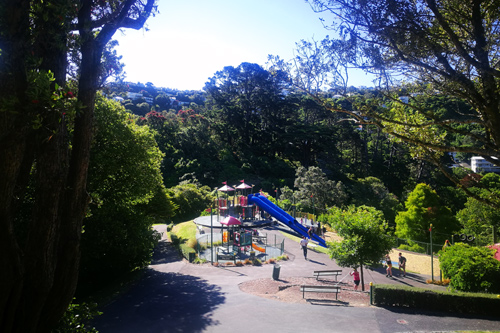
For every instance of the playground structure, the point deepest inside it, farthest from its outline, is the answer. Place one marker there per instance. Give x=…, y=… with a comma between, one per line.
x=283, y=217
x=241, y=213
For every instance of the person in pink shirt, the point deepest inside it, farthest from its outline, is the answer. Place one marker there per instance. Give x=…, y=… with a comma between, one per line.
x=355, y=275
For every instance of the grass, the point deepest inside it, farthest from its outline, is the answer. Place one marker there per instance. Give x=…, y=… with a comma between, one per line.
x=185, y=230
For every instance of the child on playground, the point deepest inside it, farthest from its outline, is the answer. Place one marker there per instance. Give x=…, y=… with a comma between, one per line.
x=356, y=279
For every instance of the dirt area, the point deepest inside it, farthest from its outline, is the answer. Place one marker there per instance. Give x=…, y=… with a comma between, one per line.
x=288, y=290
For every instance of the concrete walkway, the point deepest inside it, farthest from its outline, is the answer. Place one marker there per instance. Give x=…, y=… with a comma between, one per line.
x=175, y=296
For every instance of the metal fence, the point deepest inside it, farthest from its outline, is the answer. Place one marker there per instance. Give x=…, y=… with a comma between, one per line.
x=274, y=245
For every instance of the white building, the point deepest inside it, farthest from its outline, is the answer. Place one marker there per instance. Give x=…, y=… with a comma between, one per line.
x=479, y=164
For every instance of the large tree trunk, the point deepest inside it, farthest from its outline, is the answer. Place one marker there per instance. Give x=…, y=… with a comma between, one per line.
x=43, y=178
x=362, y=277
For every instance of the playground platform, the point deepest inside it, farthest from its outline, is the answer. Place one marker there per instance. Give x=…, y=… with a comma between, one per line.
x=215, y=221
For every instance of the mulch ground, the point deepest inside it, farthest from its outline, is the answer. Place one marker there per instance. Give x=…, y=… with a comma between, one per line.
x=288, y=290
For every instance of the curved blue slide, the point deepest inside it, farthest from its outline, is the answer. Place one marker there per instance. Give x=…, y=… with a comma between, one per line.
x=283, y=217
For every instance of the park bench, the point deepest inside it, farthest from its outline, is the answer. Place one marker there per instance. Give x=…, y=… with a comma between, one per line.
x=320, y=289
x=335, y=273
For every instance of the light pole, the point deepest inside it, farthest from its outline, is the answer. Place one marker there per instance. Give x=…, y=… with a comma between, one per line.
x=432, y=257
x=211, y=234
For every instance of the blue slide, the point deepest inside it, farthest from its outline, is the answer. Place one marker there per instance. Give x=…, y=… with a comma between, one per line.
x=283, y=217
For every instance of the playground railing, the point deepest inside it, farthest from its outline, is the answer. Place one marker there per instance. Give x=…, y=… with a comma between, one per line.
x=206, y=241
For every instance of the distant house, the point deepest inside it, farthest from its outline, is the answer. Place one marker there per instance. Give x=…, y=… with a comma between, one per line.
x=133, y=96
x=479, y=164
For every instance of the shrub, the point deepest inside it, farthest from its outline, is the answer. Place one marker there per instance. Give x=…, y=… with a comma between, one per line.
x=192, y=242
x=256, y=262
x=470, y=268
x=413, y=247
x=460, y=302
x=283, y=257
x=199, y=260
x=76, y=318
x=443, y=282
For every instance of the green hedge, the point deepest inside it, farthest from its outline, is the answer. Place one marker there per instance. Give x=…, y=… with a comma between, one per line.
x=458, y=302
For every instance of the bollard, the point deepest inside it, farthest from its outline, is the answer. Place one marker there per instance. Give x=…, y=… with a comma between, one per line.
x=371, y=293
x=276, y=272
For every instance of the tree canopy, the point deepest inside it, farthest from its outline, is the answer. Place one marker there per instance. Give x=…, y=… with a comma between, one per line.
x=45, y=137
x=430, y=48
x=423, y=209
x=363, y=230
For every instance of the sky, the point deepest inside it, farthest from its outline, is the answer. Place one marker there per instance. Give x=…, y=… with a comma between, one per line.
x=190, y=40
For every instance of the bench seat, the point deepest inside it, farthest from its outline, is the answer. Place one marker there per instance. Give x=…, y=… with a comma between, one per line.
x=319, y=289
x=335, y=273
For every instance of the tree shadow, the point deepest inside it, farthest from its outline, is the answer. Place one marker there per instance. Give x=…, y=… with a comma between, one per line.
x=326, y=302
x=164, y=253
x=163, y=302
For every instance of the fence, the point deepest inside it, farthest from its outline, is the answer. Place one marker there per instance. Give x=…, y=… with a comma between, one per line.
x=274, y=244
x=425, y=246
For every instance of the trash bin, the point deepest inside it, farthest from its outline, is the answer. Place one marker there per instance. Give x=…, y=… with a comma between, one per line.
x=276, y=272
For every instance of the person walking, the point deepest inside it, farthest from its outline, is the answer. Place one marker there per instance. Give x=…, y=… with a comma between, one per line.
x=402, y=264
x=356, y=279
x=388, y=262
x=303, y=244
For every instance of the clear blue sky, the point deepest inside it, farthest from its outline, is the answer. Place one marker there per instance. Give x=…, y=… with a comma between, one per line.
x=190, y=40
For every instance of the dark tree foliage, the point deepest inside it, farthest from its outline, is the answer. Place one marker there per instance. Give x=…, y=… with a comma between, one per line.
x=249, y=108
x=40, y=248
x=447, y=48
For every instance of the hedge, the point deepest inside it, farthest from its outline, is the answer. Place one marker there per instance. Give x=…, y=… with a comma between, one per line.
x=445, y=301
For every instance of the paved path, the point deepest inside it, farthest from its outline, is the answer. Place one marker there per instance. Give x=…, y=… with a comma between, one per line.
x=175, y=296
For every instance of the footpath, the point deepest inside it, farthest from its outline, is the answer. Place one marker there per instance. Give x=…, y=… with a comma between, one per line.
x=175, y=296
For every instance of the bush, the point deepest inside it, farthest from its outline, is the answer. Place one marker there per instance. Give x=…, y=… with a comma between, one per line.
x=459, y=302
x=471, y=269
x=190, y=200
x=413, y=247
x=192, y=243
x=76, y=318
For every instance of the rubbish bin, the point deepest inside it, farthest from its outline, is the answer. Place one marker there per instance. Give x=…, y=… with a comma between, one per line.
x=276, y=272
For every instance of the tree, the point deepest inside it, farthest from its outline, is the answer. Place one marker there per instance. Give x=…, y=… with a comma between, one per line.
x=364, y=242
x=316, y=191
x=446, y=48
x=128, y=196
x=190, y=199
x=424, y=208
x=40, y=248
x=249, y=108
x=479, y=219
x=371, y=192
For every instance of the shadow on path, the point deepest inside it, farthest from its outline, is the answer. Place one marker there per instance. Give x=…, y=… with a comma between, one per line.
x=163, y=302
x=164, y=253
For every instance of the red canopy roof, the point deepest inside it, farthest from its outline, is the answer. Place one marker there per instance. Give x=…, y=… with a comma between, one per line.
x=231, y=221
x=226, y=188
